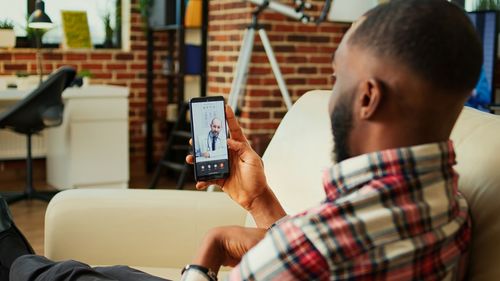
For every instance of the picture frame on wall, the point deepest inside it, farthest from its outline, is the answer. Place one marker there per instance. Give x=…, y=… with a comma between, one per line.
x=76, y=30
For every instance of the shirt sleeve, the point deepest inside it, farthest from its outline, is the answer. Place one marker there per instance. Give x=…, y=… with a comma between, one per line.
x=284, y=254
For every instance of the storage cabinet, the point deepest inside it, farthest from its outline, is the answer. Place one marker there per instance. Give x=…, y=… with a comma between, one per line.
x=90, y=149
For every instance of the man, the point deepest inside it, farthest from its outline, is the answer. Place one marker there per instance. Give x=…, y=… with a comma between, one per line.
x=392, y=209
x=212, y=144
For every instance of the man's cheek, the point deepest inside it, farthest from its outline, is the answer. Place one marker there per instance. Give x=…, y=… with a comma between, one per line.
x=333, y=99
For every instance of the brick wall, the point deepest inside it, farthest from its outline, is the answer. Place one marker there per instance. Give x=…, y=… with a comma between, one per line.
x=113, y=67
x=303, y=51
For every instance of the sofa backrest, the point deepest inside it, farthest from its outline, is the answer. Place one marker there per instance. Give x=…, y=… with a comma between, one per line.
x=299, y=152
x=477, y=141
x=302, y=147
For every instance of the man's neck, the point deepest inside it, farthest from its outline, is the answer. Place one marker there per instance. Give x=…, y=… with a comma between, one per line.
x=389, y=137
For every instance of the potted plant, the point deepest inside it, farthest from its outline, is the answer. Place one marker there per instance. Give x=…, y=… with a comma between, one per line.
x=108, y=31
x=7, y=35
x=85, y=76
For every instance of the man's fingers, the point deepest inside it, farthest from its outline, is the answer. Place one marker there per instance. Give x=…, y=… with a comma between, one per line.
x=204, y=184
x=190, y=159
x=236, y=146
x=234, y=126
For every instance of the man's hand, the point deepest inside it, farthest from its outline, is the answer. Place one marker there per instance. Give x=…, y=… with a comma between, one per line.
x=226, y=246
x=246, y=184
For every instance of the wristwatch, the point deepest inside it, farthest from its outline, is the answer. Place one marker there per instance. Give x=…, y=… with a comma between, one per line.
x=209, y=273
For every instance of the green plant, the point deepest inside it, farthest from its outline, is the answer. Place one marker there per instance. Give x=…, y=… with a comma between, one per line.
x=108, y=30
x=22, y=74
x=84, y=73
x=145, y=10
x=6, y=24
x=118, y=24
x=482, y=5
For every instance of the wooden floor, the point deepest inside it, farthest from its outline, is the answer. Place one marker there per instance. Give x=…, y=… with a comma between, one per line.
x=29, y=215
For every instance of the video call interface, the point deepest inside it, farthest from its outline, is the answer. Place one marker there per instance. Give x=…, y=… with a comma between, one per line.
x=210, y=138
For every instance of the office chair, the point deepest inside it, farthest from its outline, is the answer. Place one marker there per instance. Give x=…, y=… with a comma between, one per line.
x=41, y=109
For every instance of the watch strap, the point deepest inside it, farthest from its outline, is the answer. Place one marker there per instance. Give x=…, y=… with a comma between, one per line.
x=212, y=276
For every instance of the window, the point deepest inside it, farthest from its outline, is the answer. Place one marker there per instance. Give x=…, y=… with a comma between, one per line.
x=17, y=12
x=97, y=10
x=474, y=5
x=470, y=5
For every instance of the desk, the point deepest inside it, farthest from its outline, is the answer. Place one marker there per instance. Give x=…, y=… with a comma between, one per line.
x=91, y=147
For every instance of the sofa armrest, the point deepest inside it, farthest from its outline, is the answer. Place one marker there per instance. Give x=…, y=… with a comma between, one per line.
x=148, y=228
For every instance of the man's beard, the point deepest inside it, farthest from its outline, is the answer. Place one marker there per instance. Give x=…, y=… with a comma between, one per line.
x=341, y=120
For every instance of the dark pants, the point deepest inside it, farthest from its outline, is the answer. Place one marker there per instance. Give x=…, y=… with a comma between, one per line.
x=37, y=268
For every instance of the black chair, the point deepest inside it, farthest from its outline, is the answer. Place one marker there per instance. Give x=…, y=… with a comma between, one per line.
x=41, y=109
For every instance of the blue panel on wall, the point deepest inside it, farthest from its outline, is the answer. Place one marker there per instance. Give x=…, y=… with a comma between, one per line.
x=486, y=26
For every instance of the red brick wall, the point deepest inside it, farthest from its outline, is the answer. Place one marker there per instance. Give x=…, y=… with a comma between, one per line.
x=303, y=51
x=114, y=67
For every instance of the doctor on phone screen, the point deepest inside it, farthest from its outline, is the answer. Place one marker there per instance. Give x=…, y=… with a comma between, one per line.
x=213, y=143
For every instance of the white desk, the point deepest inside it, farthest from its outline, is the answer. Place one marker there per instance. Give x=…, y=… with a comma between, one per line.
x=91, y=147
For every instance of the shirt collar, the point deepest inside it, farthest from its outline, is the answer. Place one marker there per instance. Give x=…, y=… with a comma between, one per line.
x=352, y=173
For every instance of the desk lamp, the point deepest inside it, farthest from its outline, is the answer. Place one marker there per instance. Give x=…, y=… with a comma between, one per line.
x=39, y=20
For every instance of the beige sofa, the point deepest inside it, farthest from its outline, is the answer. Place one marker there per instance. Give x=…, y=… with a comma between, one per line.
x=159, y=230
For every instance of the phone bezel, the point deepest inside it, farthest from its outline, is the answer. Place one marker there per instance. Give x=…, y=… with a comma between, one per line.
x=193, y=135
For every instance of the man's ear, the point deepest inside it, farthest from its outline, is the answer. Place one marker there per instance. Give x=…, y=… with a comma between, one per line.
x=369, y=101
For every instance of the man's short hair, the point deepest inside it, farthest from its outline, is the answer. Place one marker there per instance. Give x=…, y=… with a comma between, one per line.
x=434, y=38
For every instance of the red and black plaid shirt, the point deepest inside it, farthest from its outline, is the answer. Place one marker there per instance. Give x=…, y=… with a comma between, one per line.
x=389, y=215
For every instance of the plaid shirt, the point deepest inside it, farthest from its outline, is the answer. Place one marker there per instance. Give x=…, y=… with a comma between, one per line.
x=392, y=215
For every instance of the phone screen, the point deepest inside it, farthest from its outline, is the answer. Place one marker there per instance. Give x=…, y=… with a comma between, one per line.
x=209, y=132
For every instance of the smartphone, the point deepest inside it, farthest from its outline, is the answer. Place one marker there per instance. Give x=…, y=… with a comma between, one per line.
x=209, y=133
